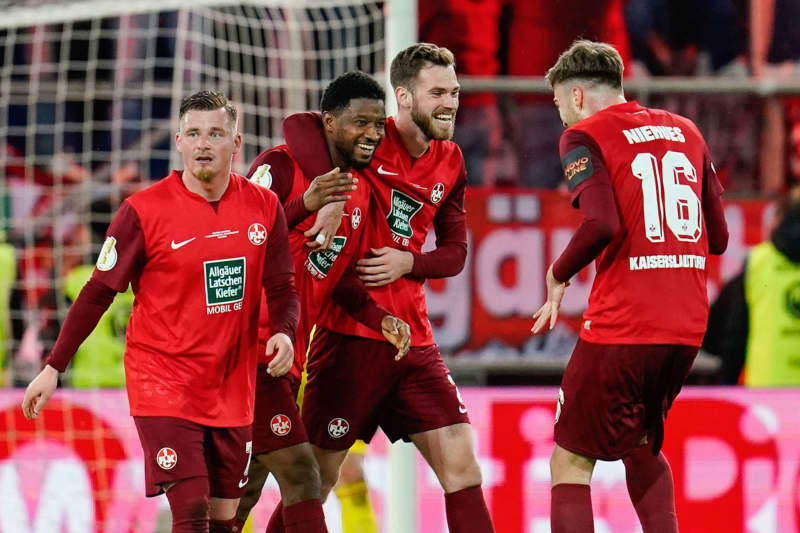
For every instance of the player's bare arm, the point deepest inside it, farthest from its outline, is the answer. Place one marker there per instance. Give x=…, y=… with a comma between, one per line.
x=281, y=346
x=332, y=186
x=39, y=391
x=548, y=312
x=384, y=266
x=325, y=226
x=398, y=333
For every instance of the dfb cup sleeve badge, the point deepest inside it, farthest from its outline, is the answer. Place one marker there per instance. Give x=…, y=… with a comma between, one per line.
x=355, y=217
x=281, y=425
x=437, y=193
x=338, y=428
x=257, y=233
x=167, y=458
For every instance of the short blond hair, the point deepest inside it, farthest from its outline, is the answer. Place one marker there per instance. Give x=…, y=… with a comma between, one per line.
x=407, y=64
x=590, y=61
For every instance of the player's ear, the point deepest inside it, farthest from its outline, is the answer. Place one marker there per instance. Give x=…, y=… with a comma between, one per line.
x=328, y=121
x=237, y=142
x=403, y=96
x=577, y=96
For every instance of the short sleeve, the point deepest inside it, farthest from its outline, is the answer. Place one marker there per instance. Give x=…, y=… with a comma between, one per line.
x=581, y=160
x=123, y=254
x=274, y=170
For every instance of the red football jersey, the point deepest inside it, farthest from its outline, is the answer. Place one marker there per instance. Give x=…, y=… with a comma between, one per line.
x=196, y=271
x=650, y=286
x=407, y=194
x=316, y=273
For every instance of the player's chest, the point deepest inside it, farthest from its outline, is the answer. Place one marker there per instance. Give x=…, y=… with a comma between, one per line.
x=194, y=234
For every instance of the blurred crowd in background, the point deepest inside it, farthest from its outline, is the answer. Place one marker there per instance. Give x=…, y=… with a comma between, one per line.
x=509, y=140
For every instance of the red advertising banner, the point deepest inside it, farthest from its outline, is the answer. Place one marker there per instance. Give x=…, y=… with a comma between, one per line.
x=735, y=457
x=514, y=236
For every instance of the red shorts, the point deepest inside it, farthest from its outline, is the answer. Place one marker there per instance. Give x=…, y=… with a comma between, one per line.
x=614, y=398
x=276, y=421
x=355, y=386
x=176, y=449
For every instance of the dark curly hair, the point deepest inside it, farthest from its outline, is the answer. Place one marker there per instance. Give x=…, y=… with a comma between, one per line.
x=349, y=86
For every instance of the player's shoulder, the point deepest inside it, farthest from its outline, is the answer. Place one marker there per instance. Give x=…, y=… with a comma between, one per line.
x=155, y=194
x=268, y=162
x=254, y=189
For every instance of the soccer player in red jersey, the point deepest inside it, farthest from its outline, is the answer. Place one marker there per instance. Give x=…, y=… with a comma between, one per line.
x=650, y=198
x=199, y=248
x=417, y=178
x=354, y=115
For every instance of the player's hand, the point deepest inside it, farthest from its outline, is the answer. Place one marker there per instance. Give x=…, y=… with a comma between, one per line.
x=39, y=391
x=325, y=226
x=332, y=186
x=281, y=345
x=549, y=311
x=398, y=333
x=386, y=265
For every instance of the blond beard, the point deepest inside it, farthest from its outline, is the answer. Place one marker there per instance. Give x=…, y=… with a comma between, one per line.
x=204, y=175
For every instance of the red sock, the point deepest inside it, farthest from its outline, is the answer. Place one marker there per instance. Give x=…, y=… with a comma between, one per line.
x=188, y=502
x=467, y=512
x=571, y=509
x=650, y=486
x=275, y=524
x=304, y=517
x=233, y=525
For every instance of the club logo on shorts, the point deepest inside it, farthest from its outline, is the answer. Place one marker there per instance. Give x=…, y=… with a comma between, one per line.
x=257, y=233
x=167, y=458
x=355, y=217
x=559, y=403
x=338, y=428
x=281, y=425
x=437, y=193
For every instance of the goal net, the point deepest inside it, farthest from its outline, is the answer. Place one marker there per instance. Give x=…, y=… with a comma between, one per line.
x=89, y=92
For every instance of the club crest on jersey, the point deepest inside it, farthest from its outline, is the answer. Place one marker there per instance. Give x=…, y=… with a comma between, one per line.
x=355, y=217
x=262, y=176
x=166, y=458
x=338, y=428
x=257, y=233
x=108, y=255
x=319, y=264
x=437, y=193
x=402, y=210
x=281, y=425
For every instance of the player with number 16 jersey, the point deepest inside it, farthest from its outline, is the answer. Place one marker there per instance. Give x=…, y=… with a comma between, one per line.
x=660, y=170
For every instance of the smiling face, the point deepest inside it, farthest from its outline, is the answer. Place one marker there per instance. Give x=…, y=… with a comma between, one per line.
x=435, y=101
x=357, y=130
x=207, y=141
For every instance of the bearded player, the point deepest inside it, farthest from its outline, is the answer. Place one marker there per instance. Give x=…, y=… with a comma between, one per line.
x=354, y=119
x=199, y=247
x=650, y=198
x=417, y=177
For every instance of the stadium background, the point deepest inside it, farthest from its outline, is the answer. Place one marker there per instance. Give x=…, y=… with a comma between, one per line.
x=88, y=92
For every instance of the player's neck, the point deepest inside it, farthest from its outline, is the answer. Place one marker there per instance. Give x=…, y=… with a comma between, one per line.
x=337, y=158
x=415, y=141
x=604, y=101
x=212, y=190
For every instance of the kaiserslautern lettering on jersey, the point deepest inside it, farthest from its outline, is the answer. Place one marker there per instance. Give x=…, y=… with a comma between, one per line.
x=651, y=279
x=192, y=335
x=407, y=194
x=316, y=272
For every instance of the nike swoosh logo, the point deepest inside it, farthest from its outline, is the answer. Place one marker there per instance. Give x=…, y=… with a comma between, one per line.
x=385, y=172
x=462, y=409
x=242, y=483
x=176, y=245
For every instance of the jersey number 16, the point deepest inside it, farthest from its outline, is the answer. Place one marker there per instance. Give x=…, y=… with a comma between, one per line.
x=665, y=197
